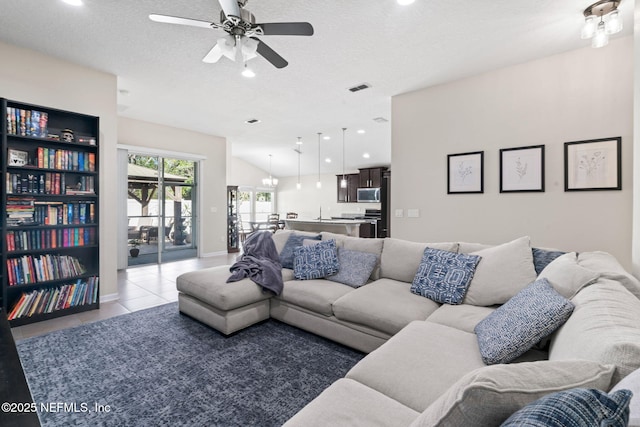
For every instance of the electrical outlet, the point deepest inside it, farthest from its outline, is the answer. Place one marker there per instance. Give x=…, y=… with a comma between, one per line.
x=413, y=213
x=214, y=209
x=399, y=213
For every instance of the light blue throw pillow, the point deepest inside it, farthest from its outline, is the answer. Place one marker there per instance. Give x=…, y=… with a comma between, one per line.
x=355, y=267
x=316, y=261
x=444, y=276
x=294, y=241
x=577, y=407
x=532, y=314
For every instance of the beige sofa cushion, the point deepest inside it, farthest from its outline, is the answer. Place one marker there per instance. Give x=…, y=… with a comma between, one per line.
x=372, y=246
x=349, y=403
x=566, y=276
x=489, y=395
x=608, y=267
x=280, y=237
x=604, y=328
x=502, y=272
x=209, y=285
x=317, y=295
x=467, y=248
x=401, y=258
x=464, y=317
x=419, y=363
x=386, y=305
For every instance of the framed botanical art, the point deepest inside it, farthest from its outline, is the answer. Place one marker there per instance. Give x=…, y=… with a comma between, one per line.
x=593, y=165
x=465, y=173
x=522, y=169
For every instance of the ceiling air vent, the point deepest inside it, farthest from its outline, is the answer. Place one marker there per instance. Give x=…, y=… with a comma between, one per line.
x=252, y=121
x=380, y=120
x=360, y=87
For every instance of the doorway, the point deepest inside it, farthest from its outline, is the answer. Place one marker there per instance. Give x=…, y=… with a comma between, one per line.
x=161, y=209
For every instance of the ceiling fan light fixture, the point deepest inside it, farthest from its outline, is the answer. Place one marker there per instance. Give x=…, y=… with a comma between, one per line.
x=614, y=23
x=248, y=72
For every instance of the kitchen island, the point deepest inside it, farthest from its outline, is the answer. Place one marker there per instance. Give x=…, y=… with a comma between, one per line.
x=350, y=227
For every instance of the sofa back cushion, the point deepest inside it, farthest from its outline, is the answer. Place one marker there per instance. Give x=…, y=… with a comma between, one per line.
x=487, y=396
x=372, y=246
x=401, y=258
x=566, y=276
x=604, y=328
x=502, y=272
x=608, y=267
x=280, y=237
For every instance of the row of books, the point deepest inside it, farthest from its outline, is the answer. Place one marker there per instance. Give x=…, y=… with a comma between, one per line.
x=28, y=269
x=50, y=158
x=26, y=240
x=27, y=122
x=19, y=210
x=49, y=183
x=55, y=299
x=59, y=213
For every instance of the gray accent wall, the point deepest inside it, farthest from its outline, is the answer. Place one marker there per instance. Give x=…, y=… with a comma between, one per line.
x=578, y=95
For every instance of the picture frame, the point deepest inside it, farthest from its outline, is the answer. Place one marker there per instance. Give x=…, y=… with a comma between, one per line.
x=17, y=158
x=593, y=165
x=465, y=173
x=522, y=169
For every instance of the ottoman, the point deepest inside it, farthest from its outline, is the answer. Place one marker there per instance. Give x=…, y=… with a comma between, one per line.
x=226, y=307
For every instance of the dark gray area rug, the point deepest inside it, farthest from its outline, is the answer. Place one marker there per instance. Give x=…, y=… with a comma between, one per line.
x=157, y=367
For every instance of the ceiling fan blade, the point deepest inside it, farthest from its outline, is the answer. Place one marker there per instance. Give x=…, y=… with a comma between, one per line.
x=230, y=7
x=286, y=29
x=214, y=55
x=270, y=54
x=180, y=21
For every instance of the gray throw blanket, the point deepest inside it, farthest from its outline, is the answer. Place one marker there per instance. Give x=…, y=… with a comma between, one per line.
x=260, y=262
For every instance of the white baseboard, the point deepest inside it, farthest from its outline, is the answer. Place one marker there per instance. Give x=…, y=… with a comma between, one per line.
x=210, y=254
x=109, y=298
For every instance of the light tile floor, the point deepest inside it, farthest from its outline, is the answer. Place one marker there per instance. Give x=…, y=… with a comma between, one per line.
x=138, y=288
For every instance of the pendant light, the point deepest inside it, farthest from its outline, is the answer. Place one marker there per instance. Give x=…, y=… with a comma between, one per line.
x=343, y=181
x=299, y=151
x=271, y=181
x=319, y=183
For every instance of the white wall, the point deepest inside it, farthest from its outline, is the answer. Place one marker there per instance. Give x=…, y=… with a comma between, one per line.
x=31, y=77
x=636, y=145
x=308, y=200
x=244, y=174
x=212, y=174
x=578, y=95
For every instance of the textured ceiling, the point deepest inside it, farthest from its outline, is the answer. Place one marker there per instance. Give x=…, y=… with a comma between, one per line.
x=394, y=48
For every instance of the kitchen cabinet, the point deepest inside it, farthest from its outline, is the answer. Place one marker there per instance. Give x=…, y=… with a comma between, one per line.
x=371, y=177
x=349, y=194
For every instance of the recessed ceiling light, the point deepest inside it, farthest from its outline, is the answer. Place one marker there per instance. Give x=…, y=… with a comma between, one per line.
x=405, y=2
x=366, y=155
x=328, y=160
x=326, y=138
x=252, y=121
x=361, y=131
x=73, y=2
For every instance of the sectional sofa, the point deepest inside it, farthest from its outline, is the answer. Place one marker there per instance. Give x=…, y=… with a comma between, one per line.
x=427, y=363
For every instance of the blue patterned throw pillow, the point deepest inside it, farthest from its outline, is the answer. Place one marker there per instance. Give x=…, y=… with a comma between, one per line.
x=543, y=257
x=577, y=407
x=355, y=267
x=444, y=276
x=316, y=261
x=516, y=326
x=295, y=240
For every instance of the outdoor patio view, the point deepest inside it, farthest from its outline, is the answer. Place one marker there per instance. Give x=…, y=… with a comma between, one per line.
x=160, y=209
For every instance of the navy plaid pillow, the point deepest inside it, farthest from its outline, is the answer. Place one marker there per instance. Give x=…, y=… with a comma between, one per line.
x=575, y=408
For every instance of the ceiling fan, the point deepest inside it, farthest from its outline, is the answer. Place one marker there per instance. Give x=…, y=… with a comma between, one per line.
x=242, y=29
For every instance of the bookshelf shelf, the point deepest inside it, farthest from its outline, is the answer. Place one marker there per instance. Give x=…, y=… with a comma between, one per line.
x=50, y=223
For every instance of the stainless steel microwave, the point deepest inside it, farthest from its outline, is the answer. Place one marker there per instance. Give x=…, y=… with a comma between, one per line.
x=368, y=195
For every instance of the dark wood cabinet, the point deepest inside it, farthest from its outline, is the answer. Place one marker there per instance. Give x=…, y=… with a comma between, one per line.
x=50, y=197
x=371, y=177
x=233, y=243
x=349, y=194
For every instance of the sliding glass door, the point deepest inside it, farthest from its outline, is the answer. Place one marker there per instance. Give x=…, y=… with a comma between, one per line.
x=161, y=209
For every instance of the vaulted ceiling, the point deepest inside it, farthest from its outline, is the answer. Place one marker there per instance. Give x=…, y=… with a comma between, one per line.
x=393, y=48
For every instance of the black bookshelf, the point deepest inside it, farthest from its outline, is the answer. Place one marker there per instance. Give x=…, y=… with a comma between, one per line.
x=50, y=200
